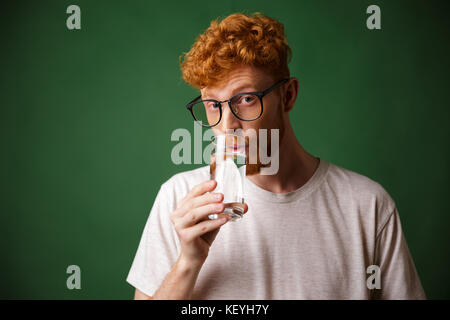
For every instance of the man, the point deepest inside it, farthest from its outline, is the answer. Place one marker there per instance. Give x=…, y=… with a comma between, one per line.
x=310, y=231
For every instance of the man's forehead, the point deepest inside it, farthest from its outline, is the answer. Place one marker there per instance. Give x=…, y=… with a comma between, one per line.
x=234, y=84
x=228, y=87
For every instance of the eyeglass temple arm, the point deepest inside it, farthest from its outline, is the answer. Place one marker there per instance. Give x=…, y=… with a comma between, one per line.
x=275, y=86
x=189, y=105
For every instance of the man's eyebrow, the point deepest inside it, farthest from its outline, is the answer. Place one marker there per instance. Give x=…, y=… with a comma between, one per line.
x=242, y=88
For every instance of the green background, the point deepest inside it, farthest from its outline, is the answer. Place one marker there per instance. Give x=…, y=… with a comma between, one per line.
x=86, y=119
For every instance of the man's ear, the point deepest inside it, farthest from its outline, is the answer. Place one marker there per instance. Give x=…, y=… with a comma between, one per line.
x=290, y=94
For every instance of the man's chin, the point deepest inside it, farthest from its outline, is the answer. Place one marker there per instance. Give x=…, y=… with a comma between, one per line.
x=254, y=169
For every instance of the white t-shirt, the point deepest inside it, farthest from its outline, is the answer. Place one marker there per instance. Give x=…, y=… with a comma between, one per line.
x=312, y=243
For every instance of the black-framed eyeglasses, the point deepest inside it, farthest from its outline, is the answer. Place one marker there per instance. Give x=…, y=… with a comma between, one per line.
x=246, y=106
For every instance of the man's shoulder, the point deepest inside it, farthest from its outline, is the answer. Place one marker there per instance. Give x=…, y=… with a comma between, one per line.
x=356, y=180
x=360, y=187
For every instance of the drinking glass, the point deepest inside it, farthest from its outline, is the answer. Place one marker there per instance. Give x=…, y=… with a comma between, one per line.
x=228, y=168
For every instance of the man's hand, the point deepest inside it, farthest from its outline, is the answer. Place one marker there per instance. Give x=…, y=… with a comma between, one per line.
x=195, y=230
x=196, y=233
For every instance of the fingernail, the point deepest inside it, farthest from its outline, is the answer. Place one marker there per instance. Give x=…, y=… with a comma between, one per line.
x=218, y=196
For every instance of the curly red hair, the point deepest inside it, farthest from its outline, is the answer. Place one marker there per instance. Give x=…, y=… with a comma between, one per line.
x=255, y=40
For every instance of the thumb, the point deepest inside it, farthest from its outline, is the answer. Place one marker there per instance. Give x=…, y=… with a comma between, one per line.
x=211, y=236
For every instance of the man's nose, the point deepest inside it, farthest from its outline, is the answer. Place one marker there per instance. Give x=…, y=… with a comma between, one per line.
x=229, y=121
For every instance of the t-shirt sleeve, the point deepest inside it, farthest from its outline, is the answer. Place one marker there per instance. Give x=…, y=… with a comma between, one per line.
x=158, y=248
x=399, y=278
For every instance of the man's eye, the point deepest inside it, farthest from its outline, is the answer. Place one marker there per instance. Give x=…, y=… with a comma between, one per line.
x=211, y=106
x=247, y=100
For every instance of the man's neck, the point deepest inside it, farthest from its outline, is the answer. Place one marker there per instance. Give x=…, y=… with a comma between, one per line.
x=296, y=167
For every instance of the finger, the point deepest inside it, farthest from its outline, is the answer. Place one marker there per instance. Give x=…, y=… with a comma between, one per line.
x=198, y=214
x=199, y=190
x=203, y=200
x=202, y=188
x=192, y=204
x=206, y=226
x=209, y=237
